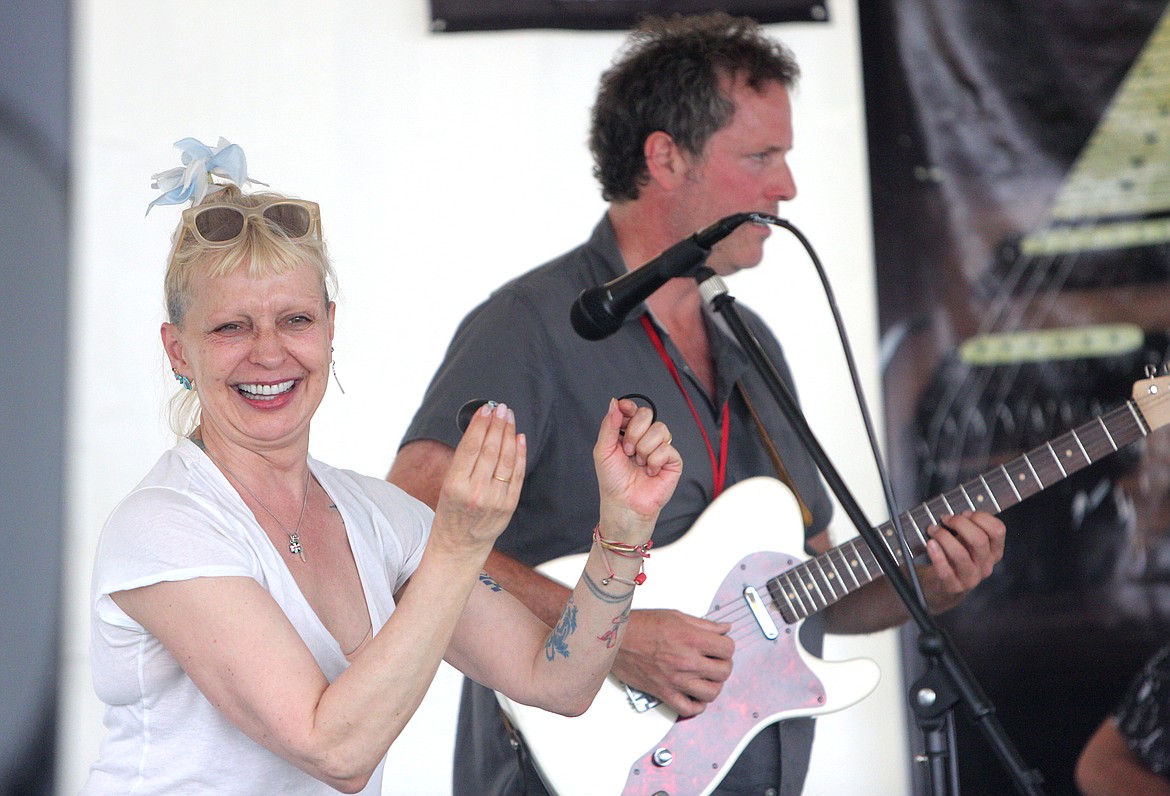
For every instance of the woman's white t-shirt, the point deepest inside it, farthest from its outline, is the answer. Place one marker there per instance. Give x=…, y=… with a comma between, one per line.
x=184, y=520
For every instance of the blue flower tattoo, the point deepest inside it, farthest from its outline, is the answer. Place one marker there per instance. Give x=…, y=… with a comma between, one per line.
x=558, y=642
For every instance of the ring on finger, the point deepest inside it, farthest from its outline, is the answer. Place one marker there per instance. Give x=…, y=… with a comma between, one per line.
x=498, y=478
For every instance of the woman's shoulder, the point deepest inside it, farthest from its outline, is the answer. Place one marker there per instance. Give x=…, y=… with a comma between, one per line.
x=178, y=522
x=177, y=478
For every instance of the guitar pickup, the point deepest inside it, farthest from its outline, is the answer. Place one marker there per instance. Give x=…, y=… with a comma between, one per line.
x=760, y=612
x=641, y=702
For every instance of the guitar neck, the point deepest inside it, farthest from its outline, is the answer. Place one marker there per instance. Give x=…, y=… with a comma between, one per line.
x=825, y=579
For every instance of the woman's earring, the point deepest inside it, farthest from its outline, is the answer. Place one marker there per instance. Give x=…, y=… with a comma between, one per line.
x=333, y=367
x=183, y=380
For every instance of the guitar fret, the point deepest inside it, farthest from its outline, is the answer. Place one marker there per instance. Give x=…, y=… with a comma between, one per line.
x=895, y=546
x=802, y=592
x=835, y=576
x=1001, y=485
x=929, y=513
x=825, y=583
x=955, y=499
x=1009, y=483
x=845, y=561
x=1056, y=459
x=1028, y=461
x=990, y=494
x=811, y=588
x=914, y=523
x=1137, y=427
x=942, y=507
x=1026, y=481
x=874, y=565
x=868, y=560
x=1068, y=448
x=860, y=551
x=841, y=585
x=890, y=538
x=1107, y=434
x=1126, y=426
x=967, y=497
x=780, y=599
x=791, y=598
x=811, y=575
x=1046, y=465
x=937, y=512
x=1137, y=418
x=808, y=606
x=803, y=582
x=1084, y=452
x=919, y=531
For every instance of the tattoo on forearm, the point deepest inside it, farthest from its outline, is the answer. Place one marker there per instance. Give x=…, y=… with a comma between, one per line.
x=603, y=595
x=558, y=642
x=610, y=636
x=490, y=582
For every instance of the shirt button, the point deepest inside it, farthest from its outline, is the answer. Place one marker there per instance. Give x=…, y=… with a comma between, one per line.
x=770, y=792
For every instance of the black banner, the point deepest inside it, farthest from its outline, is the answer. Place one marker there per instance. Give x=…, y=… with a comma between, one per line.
x=1020, y=157
x=464, y=15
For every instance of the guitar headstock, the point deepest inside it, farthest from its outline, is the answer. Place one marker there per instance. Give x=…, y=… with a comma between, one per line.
x=1152, y=396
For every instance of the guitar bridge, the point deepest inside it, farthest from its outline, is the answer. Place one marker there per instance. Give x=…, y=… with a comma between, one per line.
x=641, y=702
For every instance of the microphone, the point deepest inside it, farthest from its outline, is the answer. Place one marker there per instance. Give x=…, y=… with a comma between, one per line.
x=468, y=410
x=600, y=311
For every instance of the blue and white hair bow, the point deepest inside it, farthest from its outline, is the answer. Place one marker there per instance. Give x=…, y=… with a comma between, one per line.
x=193, y=180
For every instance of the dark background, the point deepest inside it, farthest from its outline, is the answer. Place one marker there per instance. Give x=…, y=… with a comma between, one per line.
x=34, y=233
x=462, y=15
x=977, y=112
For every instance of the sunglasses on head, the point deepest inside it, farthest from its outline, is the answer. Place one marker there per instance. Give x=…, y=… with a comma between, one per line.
x=222, y=224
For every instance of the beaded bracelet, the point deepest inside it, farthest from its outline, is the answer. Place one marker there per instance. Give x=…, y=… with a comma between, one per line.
x=625, y=551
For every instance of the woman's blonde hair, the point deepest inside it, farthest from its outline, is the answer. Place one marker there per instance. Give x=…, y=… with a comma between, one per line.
x=262, y=250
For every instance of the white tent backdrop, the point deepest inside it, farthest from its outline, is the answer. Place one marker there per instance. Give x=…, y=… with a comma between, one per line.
x=444, y=164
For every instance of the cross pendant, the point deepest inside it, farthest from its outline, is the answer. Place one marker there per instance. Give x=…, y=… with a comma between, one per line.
x=294, y=545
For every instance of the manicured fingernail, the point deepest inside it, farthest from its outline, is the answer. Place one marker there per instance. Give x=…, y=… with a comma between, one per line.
x=501, y=410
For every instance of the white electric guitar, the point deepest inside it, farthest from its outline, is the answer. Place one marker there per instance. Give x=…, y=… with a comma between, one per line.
x=627, y=743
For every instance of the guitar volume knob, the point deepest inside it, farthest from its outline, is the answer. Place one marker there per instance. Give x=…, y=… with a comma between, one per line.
x=662, y=757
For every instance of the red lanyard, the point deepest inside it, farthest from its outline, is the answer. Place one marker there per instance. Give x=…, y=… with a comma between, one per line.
x=718, y=466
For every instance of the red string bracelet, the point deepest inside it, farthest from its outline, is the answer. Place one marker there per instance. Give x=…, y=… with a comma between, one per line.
x=625, y=551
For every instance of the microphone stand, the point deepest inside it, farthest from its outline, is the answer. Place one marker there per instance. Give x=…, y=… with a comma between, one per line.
x=947, y=680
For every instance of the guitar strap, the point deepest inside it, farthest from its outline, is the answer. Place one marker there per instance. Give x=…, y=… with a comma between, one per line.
x=523, y=756
x=774, y=455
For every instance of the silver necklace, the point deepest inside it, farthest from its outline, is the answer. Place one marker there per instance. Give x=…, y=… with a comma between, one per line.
x=294, y=538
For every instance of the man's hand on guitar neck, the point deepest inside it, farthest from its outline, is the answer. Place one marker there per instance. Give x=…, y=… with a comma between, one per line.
x=962, y=555
x=680, y=659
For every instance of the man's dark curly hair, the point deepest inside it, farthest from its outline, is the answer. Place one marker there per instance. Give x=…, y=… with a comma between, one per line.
x=668, y=77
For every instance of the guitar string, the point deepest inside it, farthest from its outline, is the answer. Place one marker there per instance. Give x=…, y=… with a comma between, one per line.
x=744, y=624
x=740, y=616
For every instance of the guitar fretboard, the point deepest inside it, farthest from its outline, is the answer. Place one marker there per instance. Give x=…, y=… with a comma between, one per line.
x=825, y=579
